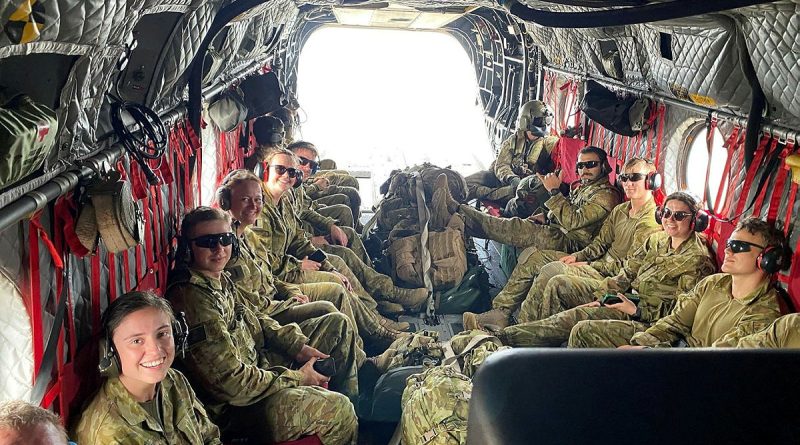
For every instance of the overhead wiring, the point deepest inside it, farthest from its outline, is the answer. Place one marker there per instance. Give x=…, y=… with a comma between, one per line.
x=144, y=139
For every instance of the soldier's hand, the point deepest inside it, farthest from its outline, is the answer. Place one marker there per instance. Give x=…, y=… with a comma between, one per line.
x=311, y=377
x=550, y=181
x=579, y=263
x=300, y=298
x=627, y=306
x=318, y=241
x=569, y=259
x=307, y=353
x=538, y=218
x=307, y=264
x=514, y=182
x=345, y=282
x=631, y=347
x=338, y=236
x=594, y=303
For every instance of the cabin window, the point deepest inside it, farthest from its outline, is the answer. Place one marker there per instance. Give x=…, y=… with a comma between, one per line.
x=665, y=44
x=375, y=100
x=694, y=159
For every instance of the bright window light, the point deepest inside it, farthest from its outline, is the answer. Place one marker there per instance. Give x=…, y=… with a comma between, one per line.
x=695, y=170
x=377, y=100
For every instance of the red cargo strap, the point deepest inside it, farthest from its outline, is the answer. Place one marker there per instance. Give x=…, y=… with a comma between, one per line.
x=759, y=203
x=112, y=277
x=735, y=174
x=730, y=144
x=780, y=182
x=662, y=117
x=94, y=286
x=35, y=233
x=197, y=147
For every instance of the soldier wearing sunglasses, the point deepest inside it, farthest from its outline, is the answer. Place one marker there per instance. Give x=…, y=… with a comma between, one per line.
x=668, y=263
x=569, y=226
x=727, y=307
x=330, y=189
x=247, y=368
x=298, y=260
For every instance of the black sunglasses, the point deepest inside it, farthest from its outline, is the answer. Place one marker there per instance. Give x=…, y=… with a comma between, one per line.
x=314, y=164
x=737, y=245
x=211, y=241
x=587, y=164
x=633, y=177
x=677, y=216
x=280, y=170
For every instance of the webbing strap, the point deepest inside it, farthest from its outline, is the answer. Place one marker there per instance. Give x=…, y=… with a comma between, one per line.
x=758, y=204
x=662, y=117
x=476, y=341
x=712, y=127
x=780, y=182
x=424, y=218
x=112, y=277
x=197, y=147
x=725, y=182
x=751, y=173
x=735, y=173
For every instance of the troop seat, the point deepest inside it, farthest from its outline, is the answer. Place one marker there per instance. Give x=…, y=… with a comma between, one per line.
x=654, y=396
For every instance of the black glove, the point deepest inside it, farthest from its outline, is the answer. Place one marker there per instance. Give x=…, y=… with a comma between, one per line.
x=514, y=182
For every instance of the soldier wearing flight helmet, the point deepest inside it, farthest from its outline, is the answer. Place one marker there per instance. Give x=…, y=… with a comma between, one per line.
x=524, y=153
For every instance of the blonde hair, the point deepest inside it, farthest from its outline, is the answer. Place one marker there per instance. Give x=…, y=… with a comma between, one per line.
x=17, y=415
x=637, y=163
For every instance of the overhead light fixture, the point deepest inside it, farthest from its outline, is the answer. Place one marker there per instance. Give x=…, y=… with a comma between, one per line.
x=391, y=15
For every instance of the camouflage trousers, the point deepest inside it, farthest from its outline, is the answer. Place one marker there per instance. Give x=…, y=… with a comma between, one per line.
x=367, y=279
x=519, y=283
x=354, y=246
x=555, y=330
x=295, y=412
x=341, y=178
x=516, y=232
x=559, y=287
x=485, y=185
x=340, y=212
x=326, y=287
x=604, y=333
x=335, y=194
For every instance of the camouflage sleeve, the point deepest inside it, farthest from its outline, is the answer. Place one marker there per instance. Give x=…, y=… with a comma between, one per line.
x=621, y=282
x=782, y=333
x=317, y=221
x=761, y=315
x=300, y=246
x=213, y=359
x=206, y=427
x=675, y=326
x=502, y=165
x=287, y=290
x=644, y=228
x=600, y=244
x=655, y=307
x=288, y=338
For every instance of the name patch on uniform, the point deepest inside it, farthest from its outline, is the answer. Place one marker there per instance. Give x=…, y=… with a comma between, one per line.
x=196, y=335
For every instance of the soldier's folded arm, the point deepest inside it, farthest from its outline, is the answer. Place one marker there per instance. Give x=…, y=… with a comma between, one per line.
x=599, y=245
x=211, y=357
x=288, y=338
x=573, y=217
x=751, y=323
x=675, y=326
x=317, y=221
x=502, y=165
x=285, y=290
x=653, y=308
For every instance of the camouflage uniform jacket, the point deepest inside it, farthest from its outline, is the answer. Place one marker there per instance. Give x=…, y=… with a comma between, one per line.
x=257, y=276
x=783, y=333
x=580, y=216
x=708, y=315
x=224, y=358
x=307, y=211
x=619, y=237
x=280, y=232
x=659, y=273
x=115, y=418
x=519, y=157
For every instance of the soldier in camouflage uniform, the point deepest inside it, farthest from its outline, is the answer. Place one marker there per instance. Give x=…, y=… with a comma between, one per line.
x=667, y=264
x=569, y=226
x=327, y=188
x=255, y=376
x=524, y=153
x=282, y=234
x=724, y=308
x=142, y=400
x=782, y=333
x=240, y=193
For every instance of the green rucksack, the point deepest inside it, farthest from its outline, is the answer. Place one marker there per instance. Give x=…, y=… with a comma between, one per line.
x=27, y=136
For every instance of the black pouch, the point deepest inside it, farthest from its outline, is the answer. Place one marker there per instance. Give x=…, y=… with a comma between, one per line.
x=262, y=94
x=625, y=116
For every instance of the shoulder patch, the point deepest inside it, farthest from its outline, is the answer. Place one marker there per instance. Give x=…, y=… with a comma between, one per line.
x=196, y=336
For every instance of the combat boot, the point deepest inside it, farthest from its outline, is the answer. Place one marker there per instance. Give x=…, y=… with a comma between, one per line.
x=383, y=337
x=390, y=309
x=441, y=184
x=412, y=299
x=400, y=326
x=498, y=318
x=382, y=361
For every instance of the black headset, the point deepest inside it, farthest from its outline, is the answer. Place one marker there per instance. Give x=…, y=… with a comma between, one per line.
x=772, y=259
x=653, y=181
x=700, y=219
x=109, y=364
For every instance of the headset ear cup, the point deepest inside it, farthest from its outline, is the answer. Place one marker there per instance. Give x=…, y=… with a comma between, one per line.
x=659, y=212
x=109, y=363
x=183, y=253
x=180, y=332
x=235, y=249
x=653, y=181
x=770, y=260
x=701, y=221
x=224, y=198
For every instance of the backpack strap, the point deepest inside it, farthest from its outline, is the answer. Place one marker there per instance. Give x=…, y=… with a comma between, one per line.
x=424, y=218
x=476, y=341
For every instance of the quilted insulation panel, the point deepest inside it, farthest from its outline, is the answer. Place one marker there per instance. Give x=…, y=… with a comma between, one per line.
x=16, y=346
x=772, y=33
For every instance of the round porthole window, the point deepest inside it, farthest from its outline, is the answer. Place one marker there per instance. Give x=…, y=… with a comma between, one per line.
x=695, y=158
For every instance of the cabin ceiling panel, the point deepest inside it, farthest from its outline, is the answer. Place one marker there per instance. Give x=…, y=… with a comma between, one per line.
x=772, y=33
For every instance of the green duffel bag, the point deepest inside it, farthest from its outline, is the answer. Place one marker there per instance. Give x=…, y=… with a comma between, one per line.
x=27, y=135
x=470, y=295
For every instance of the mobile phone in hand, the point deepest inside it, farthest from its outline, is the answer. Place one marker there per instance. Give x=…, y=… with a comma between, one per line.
x=325, y=366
